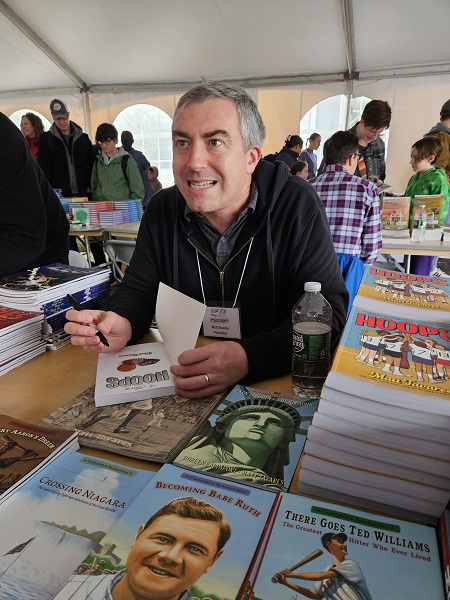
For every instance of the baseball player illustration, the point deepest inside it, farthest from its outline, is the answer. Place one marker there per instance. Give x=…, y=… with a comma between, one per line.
x=342, y=580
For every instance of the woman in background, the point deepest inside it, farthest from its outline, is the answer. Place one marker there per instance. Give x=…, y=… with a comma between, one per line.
x=32, y=128
x=308, y=154
x=293, y=145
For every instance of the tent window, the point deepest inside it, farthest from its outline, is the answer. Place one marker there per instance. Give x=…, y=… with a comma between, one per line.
x=152, y=131
x=328, y=116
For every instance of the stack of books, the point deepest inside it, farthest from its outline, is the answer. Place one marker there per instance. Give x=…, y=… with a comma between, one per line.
x=45, y=290
x=113, y=217
x=133, y=207
x=95, y=208
x=20, y=337
x=381, y=431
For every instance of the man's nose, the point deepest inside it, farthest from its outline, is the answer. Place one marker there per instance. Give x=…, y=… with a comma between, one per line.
x=197, y=157
x=171, y=554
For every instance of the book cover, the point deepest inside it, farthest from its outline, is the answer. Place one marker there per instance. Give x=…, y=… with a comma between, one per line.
x=254, y=436
x=433, y=205
x=394, y=360
x=188, y=535
x=43, y=278
x=152, y=429
x=13, y=318
x=381, y=289
x=395, y=215
x=324, y=550
x=23, y=447
x=136, y=372
x=59, y=516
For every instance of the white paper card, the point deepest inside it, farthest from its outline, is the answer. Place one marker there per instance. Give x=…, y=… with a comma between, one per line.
x=179, y=319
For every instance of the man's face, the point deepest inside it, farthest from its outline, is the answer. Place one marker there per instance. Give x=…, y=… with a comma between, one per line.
x=210, y=166
x=108, y=146
x=258, y=426
x=63, y=125
x=170, y=555
x=337, y=547
x=369, y=134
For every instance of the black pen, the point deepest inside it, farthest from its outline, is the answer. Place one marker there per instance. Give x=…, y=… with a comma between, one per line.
x=77, y=306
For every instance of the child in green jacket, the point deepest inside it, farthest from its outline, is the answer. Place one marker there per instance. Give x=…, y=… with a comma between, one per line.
x=427, y=180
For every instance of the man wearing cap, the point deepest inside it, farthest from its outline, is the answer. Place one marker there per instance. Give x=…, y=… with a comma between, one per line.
x=66, y=154
x=341, y=580
x=442, y=131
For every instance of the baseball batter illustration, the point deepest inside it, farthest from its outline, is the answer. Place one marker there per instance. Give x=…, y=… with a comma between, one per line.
x=342, y=580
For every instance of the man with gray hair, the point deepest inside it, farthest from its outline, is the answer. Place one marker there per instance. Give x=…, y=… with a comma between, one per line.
x=235, y=232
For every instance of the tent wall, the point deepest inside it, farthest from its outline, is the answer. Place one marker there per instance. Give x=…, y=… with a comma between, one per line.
x=415, y=102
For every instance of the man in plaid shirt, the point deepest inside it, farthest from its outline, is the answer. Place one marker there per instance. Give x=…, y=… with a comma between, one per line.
x=352, y=205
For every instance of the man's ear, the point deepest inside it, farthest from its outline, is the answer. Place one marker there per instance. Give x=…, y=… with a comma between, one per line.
x=217, y=556
x=139, y=531
x=253, y=158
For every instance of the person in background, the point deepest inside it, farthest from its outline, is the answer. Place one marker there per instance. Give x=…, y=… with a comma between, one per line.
x=293, y=145
x=234, y=229
x=352, y=205
x=376, y=117
x=309, y=156
x=300, y=169
x=152, y=174
x=32, y=128
x=427, y=180
x=127, y=140
x=442, y=131
x=65, y=154
x=114, y=176
x=34, y=230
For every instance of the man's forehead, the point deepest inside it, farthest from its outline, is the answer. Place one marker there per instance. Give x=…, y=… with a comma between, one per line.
x=212, y=113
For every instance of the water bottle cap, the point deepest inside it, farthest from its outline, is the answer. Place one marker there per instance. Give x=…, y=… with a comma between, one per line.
x=313, y=286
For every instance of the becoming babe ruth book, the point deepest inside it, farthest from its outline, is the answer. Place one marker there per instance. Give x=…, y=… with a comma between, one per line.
x=418, y=296
x=142, y=371
x=187, y=535
x=153, y=429
x=325, y=550
x=395, y=360
x=57, y=517
x=254, y=436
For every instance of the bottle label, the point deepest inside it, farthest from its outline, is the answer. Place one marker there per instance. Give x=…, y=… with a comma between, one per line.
x=311, y=346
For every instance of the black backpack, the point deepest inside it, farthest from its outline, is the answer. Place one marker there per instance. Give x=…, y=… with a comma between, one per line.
x=270, y=157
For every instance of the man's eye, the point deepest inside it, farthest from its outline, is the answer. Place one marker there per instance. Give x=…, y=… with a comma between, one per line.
x=181, y=144
x=215, y=143
x=195, y=550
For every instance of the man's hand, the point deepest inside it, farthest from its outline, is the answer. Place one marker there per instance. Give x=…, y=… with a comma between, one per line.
x=224, y=363
x=82, y=326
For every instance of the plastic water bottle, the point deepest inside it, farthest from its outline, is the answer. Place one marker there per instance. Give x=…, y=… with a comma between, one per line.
x=311, y=322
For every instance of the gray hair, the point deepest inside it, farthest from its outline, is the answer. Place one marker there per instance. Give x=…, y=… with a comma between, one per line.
x=251, y=124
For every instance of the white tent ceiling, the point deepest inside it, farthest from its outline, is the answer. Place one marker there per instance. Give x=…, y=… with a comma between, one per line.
x=289, y=54
x=90, y=43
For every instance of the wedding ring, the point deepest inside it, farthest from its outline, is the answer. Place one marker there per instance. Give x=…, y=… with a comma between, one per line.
x=206, y=379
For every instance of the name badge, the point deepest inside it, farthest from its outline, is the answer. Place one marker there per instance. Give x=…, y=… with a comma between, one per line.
x=222, y=322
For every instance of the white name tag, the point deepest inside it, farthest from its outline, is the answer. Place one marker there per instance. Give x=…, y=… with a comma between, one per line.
x=222, y=322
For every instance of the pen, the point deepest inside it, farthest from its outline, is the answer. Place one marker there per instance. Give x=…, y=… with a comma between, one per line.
x=77, y=306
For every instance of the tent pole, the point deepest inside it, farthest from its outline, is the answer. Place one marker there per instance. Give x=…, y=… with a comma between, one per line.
x=349, y=101
x=86, y=112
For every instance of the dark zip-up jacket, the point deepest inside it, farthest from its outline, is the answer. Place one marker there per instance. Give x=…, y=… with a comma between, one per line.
x=291, y=245
x=67, y=165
